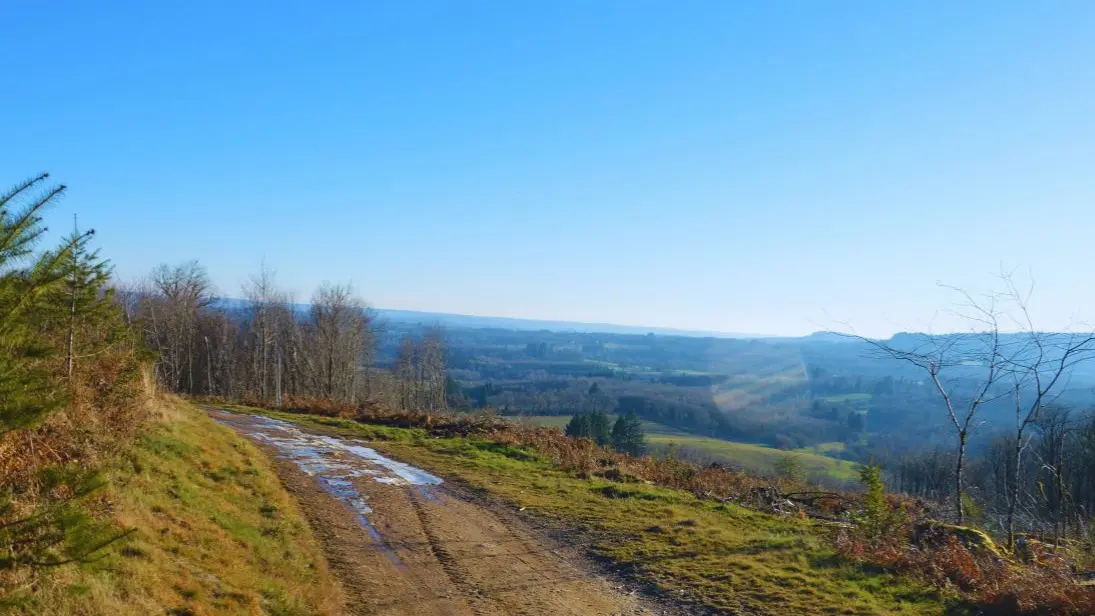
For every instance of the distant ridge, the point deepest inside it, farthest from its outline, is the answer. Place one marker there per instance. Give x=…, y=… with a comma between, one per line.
x=513, y=323
x=467, y=320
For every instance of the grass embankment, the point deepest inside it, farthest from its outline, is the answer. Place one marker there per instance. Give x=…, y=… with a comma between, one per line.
x=755, y=458
x=215, y=533
x=721, y=557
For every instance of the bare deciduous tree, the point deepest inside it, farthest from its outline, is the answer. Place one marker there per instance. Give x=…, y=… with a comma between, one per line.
x=182, y=292
x=941, y=357
x=971, y=369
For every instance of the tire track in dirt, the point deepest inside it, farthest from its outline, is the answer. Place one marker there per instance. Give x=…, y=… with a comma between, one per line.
x=402, y=544
x=441, y=553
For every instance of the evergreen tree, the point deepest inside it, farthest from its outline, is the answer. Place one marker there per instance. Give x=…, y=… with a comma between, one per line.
x=627, y=434
x=44, y=296
x=580, y=426
x=600, y=428
x=855, y=422
x=81, y=309
x=876, y=519
x=26, y=281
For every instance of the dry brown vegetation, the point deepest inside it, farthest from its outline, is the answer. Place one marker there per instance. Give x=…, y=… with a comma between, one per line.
x=49, y=473
x=966, y=563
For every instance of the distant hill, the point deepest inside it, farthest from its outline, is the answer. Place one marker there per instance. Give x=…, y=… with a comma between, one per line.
x=465, y=320
x=512, y=323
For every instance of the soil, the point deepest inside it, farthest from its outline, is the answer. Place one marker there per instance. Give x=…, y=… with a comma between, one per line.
x=402, y=542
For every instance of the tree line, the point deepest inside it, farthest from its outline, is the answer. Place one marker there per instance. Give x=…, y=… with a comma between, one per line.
x=269, y=349
x=625, y=435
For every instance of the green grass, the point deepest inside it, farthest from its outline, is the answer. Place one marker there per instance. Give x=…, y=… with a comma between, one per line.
x=756, y=458
x=825, y=448
x=560, y=421
x=215, y=533
x=760, y=458
x=719, y=557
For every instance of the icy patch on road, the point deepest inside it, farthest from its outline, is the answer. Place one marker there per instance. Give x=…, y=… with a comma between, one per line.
x=334, y=463
x=320, y=454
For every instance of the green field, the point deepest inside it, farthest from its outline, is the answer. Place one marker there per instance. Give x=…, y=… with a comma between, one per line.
x=560, y=421
x=757, y=458
x=825, y=448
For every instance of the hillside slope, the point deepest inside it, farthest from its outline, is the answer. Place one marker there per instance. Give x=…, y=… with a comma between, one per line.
x=214, y=533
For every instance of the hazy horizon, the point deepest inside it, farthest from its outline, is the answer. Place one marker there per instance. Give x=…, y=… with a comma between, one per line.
x=769, y=169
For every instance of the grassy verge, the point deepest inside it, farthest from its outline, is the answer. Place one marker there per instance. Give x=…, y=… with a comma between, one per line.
x=719, y=557
x=215, y=534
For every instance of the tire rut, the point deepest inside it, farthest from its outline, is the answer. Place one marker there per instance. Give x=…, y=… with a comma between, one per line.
x=402, y=549
x=447, y=560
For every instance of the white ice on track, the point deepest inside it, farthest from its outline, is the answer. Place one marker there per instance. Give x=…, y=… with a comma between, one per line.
x=314, y=454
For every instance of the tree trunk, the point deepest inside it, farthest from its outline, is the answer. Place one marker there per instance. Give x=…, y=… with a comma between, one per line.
x=330, y=373
x=1059, y=526
x=262, y=370
x=209, y=367
x=71, y=351
x=1013, y=500
x=959, y=514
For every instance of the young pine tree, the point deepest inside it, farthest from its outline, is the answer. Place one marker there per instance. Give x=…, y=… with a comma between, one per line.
x=579, y=426
x=38, y=319
x=628, y=436
x=876, y=519
x=81, y=310
x=600, y=428
x=27, y=280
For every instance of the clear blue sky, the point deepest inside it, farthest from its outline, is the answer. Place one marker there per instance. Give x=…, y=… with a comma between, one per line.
x=764, y=167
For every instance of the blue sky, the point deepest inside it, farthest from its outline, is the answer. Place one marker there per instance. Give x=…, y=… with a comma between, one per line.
x=768, y=167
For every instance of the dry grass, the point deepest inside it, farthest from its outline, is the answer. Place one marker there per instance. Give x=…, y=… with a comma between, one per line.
x=107, y=403
x=50, y=510
x=215, y=534
x=973, y=570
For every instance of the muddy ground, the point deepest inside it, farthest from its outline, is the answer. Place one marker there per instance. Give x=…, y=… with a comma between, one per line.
x=402, y=542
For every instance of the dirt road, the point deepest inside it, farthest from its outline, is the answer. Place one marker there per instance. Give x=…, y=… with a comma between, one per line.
x=402, y=543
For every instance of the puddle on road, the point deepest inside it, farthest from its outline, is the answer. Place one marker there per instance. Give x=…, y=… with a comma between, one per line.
x=334, y=463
